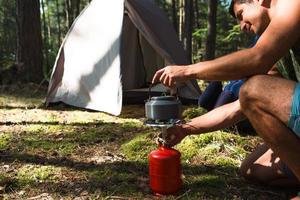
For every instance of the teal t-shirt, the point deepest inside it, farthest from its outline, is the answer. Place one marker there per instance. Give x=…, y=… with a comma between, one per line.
x=289, y=65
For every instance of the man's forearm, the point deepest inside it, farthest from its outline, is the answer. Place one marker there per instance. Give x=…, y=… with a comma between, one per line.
x=234, y=66
x=219, y=118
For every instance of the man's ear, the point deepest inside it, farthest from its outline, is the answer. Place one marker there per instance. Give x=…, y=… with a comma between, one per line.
x=265, y=3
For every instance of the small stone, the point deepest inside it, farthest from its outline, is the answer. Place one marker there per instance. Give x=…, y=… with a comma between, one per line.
x=21, y=193
x=84, y=193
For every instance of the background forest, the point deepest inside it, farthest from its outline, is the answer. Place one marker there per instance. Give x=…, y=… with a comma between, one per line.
x=31, y=32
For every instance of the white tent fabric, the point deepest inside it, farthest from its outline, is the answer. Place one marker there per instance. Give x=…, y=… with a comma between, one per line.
x=91, y=50
x=105, y=49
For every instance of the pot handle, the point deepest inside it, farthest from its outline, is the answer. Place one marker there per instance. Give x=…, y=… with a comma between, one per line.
x=149, y=91
x=173, y=92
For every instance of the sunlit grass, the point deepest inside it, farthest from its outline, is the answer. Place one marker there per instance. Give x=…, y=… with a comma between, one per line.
x=29, y=175
x=5, y=139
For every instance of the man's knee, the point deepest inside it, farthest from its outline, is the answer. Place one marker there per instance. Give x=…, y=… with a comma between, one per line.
x=250, y=91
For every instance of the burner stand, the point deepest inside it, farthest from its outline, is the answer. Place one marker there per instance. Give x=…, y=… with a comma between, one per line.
x=163, y=125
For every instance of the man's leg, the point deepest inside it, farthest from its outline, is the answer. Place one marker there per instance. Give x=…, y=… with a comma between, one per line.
x=264, y=167
x=266, y=101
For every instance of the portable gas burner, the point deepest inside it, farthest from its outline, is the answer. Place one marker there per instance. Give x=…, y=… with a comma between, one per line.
x=164, y=163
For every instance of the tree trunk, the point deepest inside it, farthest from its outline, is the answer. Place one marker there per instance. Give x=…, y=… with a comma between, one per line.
x=45, y=35
x=49, y=26
x=188, y=27
x=69, y=13
x=8, y=31
x=29, y=40
x=58, y=22
x=77, y=8
x=211, y=30
x=197, y=43
x=72, y=10
x=181, y=20
x=174, y=15
x=197, y=14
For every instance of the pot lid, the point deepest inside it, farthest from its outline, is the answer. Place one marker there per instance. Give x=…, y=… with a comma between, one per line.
x=164, y=98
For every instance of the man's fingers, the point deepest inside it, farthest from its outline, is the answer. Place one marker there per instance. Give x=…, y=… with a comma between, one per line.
x=166, y=81
x=172, y=83
x=162, y=77
x=157, y=75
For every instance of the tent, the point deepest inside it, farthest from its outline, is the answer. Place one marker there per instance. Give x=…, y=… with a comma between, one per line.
x=111, y=53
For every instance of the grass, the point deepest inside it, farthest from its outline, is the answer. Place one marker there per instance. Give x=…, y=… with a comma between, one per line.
x=5, y=140
x=29, y=175
x=67, y=153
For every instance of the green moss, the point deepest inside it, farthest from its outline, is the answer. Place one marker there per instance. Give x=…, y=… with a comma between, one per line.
x=210, y=150
x=127, y=126
x=37, y=129
x=188, y=148
x=192, y=145
x=34, y=142
x=139, y=147
x=193, y=112
x=93, y=135
x=213, y=144
x=224, y=161
x=30, y=174
x=5, y=140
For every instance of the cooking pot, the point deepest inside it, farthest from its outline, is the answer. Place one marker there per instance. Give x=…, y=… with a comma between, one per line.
x=163, y=108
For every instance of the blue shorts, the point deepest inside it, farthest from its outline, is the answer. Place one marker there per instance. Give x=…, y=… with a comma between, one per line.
x=294, y=121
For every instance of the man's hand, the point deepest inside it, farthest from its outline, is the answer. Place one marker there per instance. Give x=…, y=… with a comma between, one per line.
x=170, y=75
x=175, y=134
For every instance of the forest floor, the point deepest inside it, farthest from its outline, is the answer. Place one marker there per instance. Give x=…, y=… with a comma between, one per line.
x=68, y=153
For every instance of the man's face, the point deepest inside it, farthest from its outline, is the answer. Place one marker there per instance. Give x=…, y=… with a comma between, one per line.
x=252, y=17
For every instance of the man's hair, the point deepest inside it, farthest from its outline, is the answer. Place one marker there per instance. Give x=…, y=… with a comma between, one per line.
x=231, y=11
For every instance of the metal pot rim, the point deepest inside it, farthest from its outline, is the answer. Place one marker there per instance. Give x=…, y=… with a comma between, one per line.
x=163, y=98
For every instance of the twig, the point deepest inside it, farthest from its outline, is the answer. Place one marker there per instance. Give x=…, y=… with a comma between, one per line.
x=108, y=197
x=184, y=194
x=37, y=89
x=41, y=83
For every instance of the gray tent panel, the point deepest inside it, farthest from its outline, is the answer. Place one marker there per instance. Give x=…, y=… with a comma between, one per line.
x=157, y=29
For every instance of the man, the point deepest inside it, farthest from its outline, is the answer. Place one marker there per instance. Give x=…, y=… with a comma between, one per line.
x=271, y=103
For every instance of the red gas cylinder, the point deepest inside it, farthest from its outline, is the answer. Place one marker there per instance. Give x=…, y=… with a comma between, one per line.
x=165, y=170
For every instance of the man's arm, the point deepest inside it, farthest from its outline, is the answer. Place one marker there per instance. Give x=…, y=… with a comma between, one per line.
x=223, y=117
x=219, y=118
x=282, y=32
